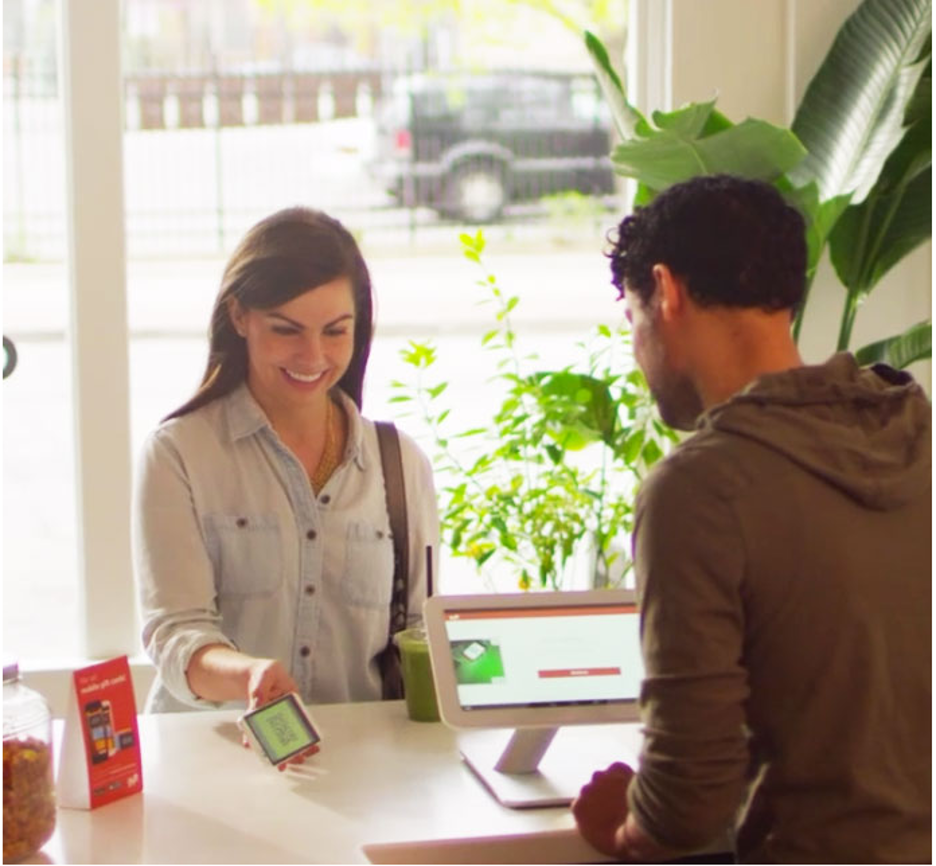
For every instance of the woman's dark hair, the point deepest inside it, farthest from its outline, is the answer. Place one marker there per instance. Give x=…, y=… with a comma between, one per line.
x=280, y=258
x=734, y=241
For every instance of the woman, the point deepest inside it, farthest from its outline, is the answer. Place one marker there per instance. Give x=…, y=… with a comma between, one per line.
x=261, y=534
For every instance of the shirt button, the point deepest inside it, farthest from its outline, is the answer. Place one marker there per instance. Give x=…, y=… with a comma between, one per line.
x=325, y=499
x=304, y=652
x=311, y=535
x=310, y=590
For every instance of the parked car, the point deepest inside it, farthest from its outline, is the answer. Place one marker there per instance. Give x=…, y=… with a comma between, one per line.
x=469, y=145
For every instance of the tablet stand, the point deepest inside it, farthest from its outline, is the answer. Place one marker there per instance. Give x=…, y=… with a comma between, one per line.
x=520, y=774
x=525, y=750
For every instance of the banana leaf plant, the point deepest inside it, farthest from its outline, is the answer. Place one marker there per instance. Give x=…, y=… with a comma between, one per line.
x=856, y=162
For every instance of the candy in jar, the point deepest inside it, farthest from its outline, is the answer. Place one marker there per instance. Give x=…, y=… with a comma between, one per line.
x=28, y=786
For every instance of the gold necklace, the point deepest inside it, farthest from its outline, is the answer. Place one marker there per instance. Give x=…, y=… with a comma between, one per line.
x=329, y=459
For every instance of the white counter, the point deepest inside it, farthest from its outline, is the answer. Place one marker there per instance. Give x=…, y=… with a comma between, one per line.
x=379, y=778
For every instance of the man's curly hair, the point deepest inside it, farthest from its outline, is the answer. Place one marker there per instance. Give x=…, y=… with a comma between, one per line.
x=735, y=243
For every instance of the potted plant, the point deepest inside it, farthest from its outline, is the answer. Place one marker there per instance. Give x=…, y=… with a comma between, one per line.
x=549, y=483
x=856, y=160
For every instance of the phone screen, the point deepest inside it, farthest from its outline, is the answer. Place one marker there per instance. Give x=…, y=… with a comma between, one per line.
x=282, y=728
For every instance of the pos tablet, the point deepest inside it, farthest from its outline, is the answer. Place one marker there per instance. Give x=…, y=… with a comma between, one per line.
x=535, y=663
x=279, y=730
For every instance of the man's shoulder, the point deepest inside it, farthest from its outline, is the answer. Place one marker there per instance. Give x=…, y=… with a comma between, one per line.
x=709, y=458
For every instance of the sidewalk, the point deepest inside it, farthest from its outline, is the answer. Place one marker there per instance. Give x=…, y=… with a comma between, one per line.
x=417, y=292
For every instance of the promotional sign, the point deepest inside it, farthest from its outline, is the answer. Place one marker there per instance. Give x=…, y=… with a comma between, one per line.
x=100, y=759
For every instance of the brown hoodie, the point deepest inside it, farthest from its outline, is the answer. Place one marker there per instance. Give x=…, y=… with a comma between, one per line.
x=783, y=555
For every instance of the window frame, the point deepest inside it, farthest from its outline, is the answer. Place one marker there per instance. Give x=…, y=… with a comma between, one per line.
x=98, y=334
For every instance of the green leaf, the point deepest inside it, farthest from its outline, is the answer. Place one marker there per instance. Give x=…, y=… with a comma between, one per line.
x=438, y=389
x=753, y=149
x=632, y=446
x=400, y=398
x=915, y=344
x=627, y=119
x=644, y=195
x=896, y=216
x=474, y=431
x=872, y=237
x=651, y=452
x=484, y=557
x=688, y=121
x=820, y=217
x=852, y=113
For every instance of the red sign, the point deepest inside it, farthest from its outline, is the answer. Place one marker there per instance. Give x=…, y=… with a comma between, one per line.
x=101, y=747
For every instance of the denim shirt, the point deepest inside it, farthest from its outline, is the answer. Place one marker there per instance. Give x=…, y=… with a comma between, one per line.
x=232, y=546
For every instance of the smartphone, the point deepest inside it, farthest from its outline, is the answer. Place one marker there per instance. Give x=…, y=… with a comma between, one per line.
x=280, y=730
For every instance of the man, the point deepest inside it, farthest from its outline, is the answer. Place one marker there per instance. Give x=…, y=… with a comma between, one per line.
x=783, y=555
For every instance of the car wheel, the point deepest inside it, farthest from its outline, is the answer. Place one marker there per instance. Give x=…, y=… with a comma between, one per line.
x=477, y=192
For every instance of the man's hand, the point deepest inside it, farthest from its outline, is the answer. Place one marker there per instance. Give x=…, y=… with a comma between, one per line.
x=601, y=807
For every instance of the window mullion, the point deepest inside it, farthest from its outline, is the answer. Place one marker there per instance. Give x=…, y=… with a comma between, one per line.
x=91, y=94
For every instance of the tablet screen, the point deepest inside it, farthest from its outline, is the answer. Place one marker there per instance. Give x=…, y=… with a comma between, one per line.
x=545, y=656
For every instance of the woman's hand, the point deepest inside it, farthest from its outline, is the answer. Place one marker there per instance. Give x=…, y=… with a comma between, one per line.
x=220, y=673
x=268, y=680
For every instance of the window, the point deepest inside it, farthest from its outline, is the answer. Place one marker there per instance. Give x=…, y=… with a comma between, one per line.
x=218, y=133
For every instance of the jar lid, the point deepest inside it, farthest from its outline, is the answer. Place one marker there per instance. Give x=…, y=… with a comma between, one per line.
x=10, y=671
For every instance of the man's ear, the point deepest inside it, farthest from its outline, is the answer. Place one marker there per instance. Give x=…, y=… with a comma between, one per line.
x=236, y=315
x=670, y=293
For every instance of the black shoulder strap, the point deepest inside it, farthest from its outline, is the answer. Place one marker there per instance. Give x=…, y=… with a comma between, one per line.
x=392, y=461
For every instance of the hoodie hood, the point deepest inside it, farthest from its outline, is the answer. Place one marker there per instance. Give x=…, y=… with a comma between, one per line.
x=867, y=431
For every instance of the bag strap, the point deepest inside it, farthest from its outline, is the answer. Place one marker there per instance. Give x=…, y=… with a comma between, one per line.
x=391, y=459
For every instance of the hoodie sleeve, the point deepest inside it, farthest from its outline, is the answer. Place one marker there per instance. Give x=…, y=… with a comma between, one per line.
x=690, y=562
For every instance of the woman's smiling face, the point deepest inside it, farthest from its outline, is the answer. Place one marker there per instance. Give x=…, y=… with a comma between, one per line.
x=298, y=351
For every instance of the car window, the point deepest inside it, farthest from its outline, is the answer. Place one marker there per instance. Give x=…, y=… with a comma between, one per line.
x=490, y=103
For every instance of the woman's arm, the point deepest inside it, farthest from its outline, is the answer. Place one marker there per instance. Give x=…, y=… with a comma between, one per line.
x=174, y=572
x=219, y=673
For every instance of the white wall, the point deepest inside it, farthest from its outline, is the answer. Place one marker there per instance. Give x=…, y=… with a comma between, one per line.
x=54, y=682
x=758, y=57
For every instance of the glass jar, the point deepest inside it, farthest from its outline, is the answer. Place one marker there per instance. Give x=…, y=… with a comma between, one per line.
x=28, y=785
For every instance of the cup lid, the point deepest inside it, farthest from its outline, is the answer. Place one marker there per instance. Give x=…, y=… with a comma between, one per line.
x=413, y=633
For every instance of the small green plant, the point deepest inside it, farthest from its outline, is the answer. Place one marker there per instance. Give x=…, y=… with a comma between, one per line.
x=552, y=477
x=572, y=206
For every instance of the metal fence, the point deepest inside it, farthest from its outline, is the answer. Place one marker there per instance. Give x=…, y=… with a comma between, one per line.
x=207, y=154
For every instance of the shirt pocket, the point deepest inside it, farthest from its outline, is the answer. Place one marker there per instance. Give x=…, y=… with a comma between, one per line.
x=368, y=573
x=246, y=550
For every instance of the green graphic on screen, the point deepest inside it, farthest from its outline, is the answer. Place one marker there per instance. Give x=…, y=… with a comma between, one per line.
x=476, y=661
x=280, y=730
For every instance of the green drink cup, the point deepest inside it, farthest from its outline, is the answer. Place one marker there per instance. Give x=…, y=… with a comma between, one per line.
x=421, y=704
